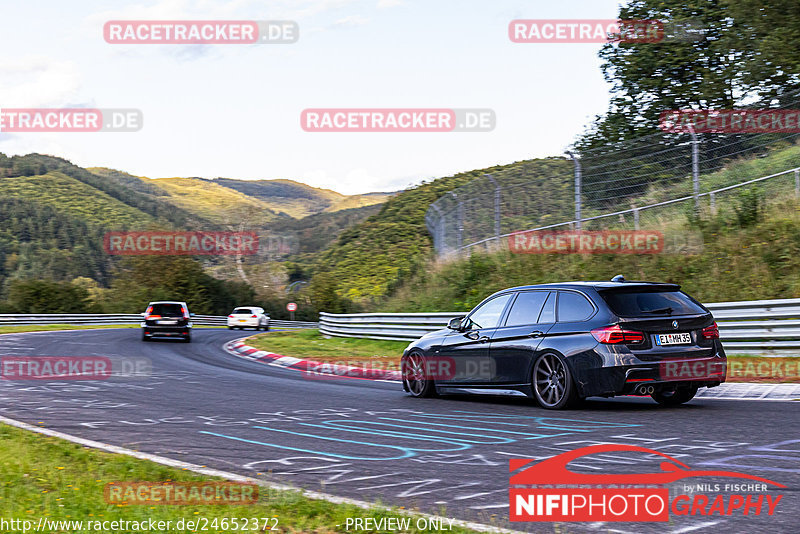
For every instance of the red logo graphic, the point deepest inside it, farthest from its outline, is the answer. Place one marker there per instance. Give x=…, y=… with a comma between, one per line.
x=587, y=242
x=628, y=497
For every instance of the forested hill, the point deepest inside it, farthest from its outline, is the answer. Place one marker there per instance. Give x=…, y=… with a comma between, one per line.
x=53, y=215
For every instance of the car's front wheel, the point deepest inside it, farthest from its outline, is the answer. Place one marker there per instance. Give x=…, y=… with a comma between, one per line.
x=415, y=379
x=552, y=382
x=675, y=396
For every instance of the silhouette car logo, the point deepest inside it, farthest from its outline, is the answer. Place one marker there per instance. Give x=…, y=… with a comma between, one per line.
x=554, y=470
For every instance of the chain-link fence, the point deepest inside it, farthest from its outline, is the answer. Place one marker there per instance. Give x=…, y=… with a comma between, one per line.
x=654, y=182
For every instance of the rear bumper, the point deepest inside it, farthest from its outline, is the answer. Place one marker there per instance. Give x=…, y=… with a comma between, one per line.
x=166, y=330
x=249, y=323
x=628, y=377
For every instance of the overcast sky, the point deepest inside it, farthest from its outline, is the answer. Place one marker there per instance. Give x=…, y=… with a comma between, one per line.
x=234, y=110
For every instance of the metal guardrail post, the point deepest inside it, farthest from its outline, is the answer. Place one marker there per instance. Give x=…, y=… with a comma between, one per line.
x=635, y=219
x=797, y=183
x=713, y=201
x=496, y=207
x=578, y=188
x=695, y=168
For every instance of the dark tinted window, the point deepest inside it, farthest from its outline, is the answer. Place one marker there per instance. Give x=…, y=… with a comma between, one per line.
x=647, y=303
x=526, y=308
x=573, y=307
x=168, y=310
x=487, y=315
x=243, y=310
x=549, y=311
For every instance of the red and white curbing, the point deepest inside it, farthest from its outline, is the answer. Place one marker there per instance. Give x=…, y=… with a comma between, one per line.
x=240, y=349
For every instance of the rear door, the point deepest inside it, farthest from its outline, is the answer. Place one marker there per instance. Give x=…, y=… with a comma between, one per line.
x=514, y=343
x=466, y=353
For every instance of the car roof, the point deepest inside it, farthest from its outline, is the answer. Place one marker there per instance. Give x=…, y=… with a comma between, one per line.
x=599, y=285
x=167, y=302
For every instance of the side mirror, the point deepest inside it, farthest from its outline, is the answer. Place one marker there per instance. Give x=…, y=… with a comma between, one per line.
x=455, y=323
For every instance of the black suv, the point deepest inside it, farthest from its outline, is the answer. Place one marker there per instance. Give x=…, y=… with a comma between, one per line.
x=560, y=343
x=167, y=318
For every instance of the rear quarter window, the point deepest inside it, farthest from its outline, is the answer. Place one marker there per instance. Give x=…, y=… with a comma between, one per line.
x=651, y=303
x=573, y=307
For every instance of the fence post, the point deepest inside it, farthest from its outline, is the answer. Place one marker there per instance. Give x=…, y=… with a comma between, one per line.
x=797, y=183
x=713, y=199
x=695, y=168
x=496, y=207
x=460, y=215
x=578, y=185
x=635, y=218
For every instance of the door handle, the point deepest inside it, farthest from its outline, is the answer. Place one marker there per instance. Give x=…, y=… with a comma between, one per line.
x=483, y=339
x=472, y=335
x=536, y=333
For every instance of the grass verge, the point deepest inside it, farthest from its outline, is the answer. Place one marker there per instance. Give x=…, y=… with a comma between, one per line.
x=62, y=481
x=309, y=344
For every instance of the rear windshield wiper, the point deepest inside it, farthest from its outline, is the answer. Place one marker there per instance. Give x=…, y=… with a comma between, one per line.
x=667, y=310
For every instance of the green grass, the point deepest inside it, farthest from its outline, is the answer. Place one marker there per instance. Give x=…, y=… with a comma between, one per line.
x=49, y=477
x=309, y=344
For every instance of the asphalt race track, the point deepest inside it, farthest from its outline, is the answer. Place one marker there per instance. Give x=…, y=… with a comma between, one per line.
x=370, y=441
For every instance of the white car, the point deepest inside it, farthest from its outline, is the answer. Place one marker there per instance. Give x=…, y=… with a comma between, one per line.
x=248, y=317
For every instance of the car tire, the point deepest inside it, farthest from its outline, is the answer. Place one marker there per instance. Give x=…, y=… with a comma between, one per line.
x=145, y=337
x=412, y=368
x=187, y=339
x=552, y=384
x=230, y=328
x=675, y=397
x=266, y=328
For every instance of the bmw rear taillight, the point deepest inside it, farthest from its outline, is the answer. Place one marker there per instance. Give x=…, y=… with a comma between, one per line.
x=613, y=335
x=254, y=316
x=710, y=332
x=230, y=317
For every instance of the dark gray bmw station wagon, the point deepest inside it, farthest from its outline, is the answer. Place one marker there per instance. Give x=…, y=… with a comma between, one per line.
x=560, y=343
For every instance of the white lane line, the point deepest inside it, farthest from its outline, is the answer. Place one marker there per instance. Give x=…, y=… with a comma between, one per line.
x=480, y=527
x=695, y=527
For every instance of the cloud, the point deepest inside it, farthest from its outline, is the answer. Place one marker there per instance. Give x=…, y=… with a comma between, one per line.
x=38, y=81
x=387, y=4
x=350, y=21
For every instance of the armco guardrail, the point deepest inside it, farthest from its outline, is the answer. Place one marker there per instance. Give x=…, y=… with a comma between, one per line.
x=747, y=327
x=129, y=318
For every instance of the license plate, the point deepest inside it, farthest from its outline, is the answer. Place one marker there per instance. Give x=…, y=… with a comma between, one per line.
x=166, y=322
x=242, y=320
x=674, y=339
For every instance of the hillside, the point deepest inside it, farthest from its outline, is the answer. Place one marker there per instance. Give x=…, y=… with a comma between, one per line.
x=373, y=257
x=299, y=200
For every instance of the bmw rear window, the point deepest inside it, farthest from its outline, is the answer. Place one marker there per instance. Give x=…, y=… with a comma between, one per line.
x=245, y=311
x=642, y=303
x=168, y=310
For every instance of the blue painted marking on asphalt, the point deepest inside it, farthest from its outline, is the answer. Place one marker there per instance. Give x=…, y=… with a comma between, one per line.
x=407, y=453
x=450, y=437
x=463, y=443
x=527, y=435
